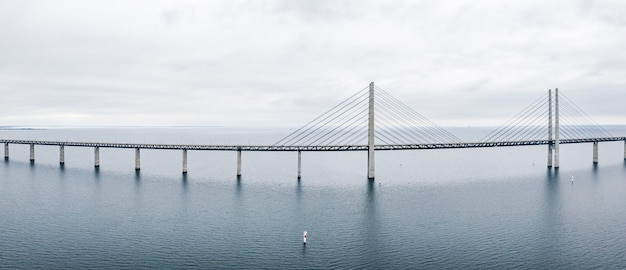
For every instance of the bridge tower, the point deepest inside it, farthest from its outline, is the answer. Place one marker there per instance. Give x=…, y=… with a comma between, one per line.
x=553, y=143
x=370, y=135
x=556, y=128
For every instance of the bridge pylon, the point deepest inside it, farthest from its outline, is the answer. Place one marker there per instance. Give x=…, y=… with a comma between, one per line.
x=553, y=142
x=556, y=128
x=370, y=135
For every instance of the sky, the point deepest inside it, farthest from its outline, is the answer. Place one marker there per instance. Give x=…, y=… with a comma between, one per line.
x=279, y=63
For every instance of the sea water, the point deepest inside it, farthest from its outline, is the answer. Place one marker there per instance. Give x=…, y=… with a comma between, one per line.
x=492, y=208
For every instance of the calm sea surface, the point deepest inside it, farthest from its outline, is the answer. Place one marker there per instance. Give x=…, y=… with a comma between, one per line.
x=492, y=208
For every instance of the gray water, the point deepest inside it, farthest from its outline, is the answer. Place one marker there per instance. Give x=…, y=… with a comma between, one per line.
x=466, y=208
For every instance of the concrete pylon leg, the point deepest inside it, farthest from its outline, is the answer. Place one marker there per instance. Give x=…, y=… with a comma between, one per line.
x=550, y=156
x=184, y=161
x=550, y=143
x=6, y=150
x=137, y=159
x=238, y=162
x=370, y=135
x=595, y=152
x=96, y=157
x=62, y=154
x=32, y=152
x=556, y=128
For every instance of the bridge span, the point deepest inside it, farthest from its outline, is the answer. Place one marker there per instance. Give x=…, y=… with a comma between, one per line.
x=352, y=125
x=294, y=148
x=305, y=148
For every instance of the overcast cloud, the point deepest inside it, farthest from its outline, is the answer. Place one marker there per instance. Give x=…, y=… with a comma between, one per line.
x=282, y=63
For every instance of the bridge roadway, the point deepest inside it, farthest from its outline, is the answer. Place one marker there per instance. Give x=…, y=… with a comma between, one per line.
x=308, y=147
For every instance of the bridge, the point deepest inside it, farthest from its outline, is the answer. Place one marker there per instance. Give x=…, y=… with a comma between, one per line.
x=373, y=120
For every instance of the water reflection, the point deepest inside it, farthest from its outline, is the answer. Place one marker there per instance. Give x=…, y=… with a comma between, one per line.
x=184, y=180
x=299, y=192
x=62, y=169
x=31, y=169
x=185, y=185
x=184, y=193
x=550, y=228
x=97, y=183
x=594, y=175
x=137, y=183
x=62, y=178
x=370, y=203
x=239, y=187
x=300, y=209
x=371, y=232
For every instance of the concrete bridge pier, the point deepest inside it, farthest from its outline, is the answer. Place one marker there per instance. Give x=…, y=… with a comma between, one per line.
x=299, y=165
x=96, y=157
x=32, y=152
x=62, y=154
x=184, y=161
x=239, y=162
x=595, y=152
x=137, y=160
x=6, y=151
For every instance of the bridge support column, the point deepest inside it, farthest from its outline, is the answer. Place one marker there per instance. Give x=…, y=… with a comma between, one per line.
x=370, y=135
x=239, y=162
x=62, y=154
x=96, y=157
x=32, y=152
x=137, y=159
x=550, y=155
x=556, y=128
x=299, y=165
x=550, y=142
x=6, y=151
x=184, y=161
x=595, y=152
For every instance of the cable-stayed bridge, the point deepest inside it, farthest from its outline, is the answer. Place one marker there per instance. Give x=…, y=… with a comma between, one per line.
x=372, y=119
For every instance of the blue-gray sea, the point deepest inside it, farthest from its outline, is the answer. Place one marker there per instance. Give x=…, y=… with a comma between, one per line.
x=479, y=208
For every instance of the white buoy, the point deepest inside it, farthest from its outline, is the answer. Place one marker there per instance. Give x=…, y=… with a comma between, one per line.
x=572, y=179
x=304, y=238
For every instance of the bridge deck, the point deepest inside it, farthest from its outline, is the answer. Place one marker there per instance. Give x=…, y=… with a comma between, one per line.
x=308, y=147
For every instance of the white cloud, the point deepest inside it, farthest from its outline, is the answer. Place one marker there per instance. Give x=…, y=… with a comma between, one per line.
x=247, y=63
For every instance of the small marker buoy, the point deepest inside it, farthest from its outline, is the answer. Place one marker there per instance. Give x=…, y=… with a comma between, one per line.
x=572, y=179
x=304, y=238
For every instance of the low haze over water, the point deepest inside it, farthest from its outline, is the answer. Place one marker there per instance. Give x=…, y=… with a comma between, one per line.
x=454, y=208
